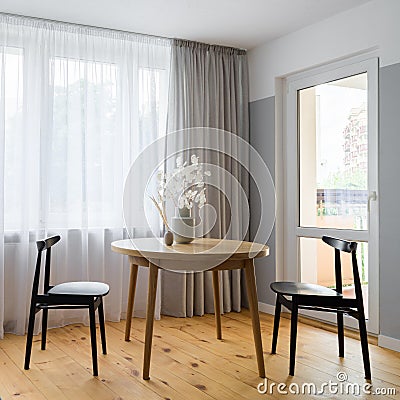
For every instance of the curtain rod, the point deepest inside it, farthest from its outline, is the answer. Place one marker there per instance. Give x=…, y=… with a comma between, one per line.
x=111, y=30
x=54, y=21
x=193, y=44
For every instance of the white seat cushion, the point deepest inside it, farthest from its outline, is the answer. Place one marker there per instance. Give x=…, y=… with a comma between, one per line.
x=81, y=288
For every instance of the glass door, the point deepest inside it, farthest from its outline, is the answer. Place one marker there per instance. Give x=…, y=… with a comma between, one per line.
x=332, y=131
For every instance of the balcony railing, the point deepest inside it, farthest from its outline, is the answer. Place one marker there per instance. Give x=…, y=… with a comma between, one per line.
x=342, y=196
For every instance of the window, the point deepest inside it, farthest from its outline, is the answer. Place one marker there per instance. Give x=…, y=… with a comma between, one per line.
x=331, y=176
x=12, y=69
x=78, y=109
x=84, y=128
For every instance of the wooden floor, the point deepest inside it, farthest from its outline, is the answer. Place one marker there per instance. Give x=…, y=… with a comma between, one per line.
x=188, y=362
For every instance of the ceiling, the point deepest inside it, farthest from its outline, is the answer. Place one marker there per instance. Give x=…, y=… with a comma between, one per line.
x=238, y=23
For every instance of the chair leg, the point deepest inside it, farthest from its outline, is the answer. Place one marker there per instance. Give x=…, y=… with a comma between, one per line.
x=293, y=336
x=44, y=327
x=276, y=324
x=339, y=317
x=102, y=327
x=29, y=336
x=93, y=337
x=364, y=345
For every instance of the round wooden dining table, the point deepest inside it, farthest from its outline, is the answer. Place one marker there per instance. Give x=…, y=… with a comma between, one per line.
x=202, y=254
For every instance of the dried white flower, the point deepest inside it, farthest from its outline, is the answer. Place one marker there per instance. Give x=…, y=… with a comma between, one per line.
x=194, y=159
x=184, y=185
x=179, y=161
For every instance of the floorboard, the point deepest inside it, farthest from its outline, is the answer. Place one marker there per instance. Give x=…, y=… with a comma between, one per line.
x=188, y=362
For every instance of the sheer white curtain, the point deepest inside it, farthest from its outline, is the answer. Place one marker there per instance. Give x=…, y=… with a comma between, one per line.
x=77, y=105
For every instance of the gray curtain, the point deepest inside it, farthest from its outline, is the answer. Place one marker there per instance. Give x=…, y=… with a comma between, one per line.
x=208, y=88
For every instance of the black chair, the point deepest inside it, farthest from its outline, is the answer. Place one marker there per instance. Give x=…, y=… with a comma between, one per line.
x=68, y=295
x=319, y=298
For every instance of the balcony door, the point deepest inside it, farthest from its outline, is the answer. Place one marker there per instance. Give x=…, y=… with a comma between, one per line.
x=331, y=148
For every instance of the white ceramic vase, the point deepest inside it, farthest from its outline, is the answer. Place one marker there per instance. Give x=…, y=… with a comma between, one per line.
x=182, y=226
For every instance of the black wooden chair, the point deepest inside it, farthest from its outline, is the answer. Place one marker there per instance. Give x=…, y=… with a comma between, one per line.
x=68, y=295
x=319, y=298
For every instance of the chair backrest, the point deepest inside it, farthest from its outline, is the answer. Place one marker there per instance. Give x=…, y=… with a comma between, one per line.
x=347, y=247
x=341, y=245
x=43, y=245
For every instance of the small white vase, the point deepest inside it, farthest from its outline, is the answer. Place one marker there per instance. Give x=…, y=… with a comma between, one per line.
x=182, y=226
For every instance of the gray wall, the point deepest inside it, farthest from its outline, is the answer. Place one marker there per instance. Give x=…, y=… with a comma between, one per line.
x=389, y=200
x=262, y=138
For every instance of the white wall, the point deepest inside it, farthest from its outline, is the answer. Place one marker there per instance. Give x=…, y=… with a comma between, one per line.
x=374, y=25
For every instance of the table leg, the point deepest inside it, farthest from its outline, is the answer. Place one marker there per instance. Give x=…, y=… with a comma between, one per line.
x=151, y=303
x=255, y=318
x=131, y=300
x=217, y=303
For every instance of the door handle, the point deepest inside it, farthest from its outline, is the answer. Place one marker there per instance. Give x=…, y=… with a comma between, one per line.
x=371, y=197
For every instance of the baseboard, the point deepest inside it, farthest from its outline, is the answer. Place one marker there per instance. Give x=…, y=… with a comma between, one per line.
x=266, y=308
x=389, y=342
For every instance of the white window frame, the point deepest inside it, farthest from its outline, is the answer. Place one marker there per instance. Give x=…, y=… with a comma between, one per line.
x=291, y=232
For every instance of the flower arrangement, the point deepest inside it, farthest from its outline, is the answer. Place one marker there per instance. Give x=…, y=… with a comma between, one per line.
x=184, y=186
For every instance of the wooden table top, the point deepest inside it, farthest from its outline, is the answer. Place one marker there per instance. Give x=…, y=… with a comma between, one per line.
x=203, y=248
